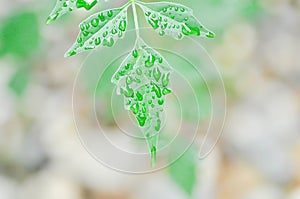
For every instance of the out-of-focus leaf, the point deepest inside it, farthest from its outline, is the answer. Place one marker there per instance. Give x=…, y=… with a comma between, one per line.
x=251, y=9
x=19, y=81
x=173, y=19
x=184, y=170
x=20, y=34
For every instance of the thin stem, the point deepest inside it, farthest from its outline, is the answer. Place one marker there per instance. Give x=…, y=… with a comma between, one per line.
x=136, y=23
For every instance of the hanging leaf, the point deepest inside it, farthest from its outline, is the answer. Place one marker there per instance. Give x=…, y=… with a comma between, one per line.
x=102, y=28
x=173, y=19
x=64, y=6
x=143, y=80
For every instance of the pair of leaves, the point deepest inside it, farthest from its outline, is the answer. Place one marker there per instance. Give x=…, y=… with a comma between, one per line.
x=143, y=80
x=166, y=18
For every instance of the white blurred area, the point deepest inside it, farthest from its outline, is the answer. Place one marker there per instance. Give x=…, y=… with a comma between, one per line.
x=257, y=157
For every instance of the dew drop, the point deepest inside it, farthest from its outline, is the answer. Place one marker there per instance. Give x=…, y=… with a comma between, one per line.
x=89, y=47
x=129, y=80
x=161, y=33
x=109, y=43
x=157, y=91
x=188, y=30
x=156, y=74
x=150, y=61
x=139, y=96
x=134, y=108
x=166, y=91
x=114, y=31
x=139, y=71
x=160, y=101
x=79, y=40
x=120, y=34
x=82, y=27
x=153, y=23
x=135, y=53
x=164, y=26
x=160, y=60
x=179, y=35
x=165, y=79
x=153, y=15
x=105, y=34
x=85, y=33
x=210, y=35
x=97, y=41
x=147, y=14
x=95, y=22
x=157, y=127
x=109, y=13
x=101, y=17
x=122, y=25
x=141, y=118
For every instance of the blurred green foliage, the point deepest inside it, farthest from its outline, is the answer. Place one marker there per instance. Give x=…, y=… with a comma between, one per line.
x=19, y=34
x=19, y=81
x=184, y=170
x=20, y=37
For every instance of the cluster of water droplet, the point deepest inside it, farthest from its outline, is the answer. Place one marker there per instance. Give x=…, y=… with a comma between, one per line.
x=101, y=28
x=61, y=8
x=85, y=4
x=143, y=80
x=64, y=6
x=173, y=20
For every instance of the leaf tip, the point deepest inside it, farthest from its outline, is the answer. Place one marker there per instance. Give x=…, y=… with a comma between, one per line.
x=153, y=156
x=210, y=35
x=49, y=20
x=70, y=53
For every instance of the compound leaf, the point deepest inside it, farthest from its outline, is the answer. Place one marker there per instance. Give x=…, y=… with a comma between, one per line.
x=64, y=6
x=102, y=28
x=174, y=20
x=143, y=80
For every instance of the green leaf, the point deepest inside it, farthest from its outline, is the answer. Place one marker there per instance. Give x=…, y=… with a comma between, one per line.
x=184, y=170
x=173, y=19
x=19, y=34
x=64, y=6
x=19, y=81
x=143, y=80
x=100, y=29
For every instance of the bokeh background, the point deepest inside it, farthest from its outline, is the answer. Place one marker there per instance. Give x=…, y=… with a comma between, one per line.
x=257, y=157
